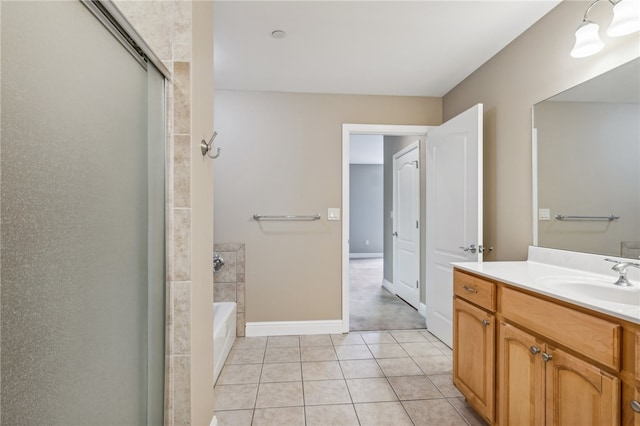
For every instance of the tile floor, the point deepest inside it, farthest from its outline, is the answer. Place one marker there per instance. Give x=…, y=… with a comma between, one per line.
x=369, y=378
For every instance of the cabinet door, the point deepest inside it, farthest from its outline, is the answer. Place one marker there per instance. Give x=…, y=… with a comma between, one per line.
x=473, y=356
x=630, y=405
x=578, y=393
x=520, y=377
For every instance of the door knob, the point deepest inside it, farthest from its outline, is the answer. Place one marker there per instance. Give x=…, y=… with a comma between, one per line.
x=395, y=234
x=472, y=248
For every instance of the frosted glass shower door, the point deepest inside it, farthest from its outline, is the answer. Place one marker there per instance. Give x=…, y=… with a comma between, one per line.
x=79, y=228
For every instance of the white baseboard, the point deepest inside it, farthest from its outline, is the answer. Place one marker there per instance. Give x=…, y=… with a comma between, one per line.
x=422, y=310
x=292, y=328
x=365, y=255
x=389, y=286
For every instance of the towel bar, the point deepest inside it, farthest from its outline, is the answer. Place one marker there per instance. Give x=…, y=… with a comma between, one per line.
x=286, y=217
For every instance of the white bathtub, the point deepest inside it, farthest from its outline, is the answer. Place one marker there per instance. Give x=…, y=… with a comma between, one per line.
x=224, y=334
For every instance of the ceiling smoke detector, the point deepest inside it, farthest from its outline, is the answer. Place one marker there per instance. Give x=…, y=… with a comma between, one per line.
x=278, y=34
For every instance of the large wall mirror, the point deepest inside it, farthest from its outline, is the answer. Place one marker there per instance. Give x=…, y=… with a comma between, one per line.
x=586, y=159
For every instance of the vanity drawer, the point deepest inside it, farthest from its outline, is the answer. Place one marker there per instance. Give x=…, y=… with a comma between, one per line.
x=593, y=337
x=475, y=290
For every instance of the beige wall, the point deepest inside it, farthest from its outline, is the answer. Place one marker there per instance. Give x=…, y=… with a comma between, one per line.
x=202, y=216
x=588, y=166
x=534, y=67
x=282, y=155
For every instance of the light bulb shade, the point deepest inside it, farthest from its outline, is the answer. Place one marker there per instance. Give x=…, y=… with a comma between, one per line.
x=626, y=18
x=587, y=40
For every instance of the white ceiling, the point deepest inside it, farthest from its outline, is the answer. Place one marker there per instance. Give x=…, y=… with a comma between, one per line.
x=412, y=48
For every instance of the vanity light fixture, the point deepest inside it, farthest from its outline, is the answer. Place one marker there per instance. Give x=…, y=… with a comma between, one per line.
x=626, y=20
x=587, y=40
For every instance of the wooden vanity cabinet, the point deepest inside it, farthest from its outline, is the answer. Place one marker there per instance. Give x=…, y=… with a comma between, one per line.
x=630, y=404
x=540, y=384
x=552, y=364
x=578, y=392
x=631, y=378
x=474, y=333
x=520, y=377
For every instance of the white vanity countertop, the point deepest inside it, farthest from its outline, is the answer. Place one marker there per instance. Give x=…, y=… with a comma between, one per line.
x=539, y=277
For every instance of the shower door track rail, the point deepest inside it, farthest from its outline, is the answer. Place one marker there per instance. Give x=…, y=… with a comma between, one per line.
x=111, y=17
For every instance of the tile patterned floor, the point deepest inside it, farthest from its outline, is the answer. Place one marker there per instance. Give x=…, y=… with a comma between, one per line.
x=370, y=378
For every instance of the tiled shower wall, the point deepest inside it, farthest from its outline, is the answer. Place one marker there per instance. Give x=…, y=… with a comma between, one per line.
x=228, y=283
x=167, y=27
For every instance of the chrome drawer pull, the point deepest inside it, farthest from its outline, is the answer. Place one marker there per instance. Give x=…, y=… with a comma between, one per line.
x=469, y=289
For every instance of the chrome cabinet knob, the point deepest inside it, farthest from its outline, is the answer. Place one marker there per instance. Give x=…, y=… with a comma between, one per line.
x=534, y=350
x=635, y=406
x=546, y=357
x=485, y=322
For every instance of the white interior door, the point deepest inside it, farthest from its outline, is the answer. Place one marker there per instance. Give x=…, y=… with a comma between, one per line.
x=406, y=216
x=454, y=212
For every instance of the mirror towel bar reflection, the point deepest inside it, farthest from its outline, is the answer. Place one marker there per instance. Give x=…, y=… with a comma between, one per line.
x=609, y=218
x=586, y=144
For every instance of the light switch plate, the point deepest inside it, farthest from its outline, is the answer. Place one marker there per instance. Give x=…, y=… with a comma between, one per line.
x=333, y=214
x=544, y=214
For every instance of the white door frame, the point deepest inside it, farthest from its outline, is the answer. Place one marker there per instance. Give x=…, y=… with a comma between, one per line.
x=347, y=131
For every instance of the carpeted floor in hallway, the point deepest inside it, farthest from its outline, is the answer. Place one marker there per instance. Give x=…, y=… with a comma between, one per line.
x=372, y=307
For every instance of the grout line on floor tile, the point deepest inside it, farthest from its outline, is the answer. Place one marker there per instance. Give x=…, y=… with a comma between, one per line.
x=334, y=346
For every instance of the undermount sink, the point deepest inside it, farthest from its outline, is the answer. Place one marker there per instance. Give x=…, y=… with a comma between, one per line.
x=615, y=294
x=595, y=289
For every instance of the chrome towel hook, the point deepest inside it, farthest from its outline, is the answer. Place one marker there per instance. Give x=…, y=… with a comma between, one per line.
x=206, y=147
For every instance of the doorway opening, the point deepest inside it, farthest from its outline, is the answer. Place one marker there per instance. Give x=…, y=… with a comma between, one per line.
x=370, y=201
x=451, y=184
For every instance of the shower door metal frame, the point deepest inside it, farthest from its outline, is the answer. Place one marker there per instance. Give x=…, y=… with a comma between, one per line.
x=114, y=21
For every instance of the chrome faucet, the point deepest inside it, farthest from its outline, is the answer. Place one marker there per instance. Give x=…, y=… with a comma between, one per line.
x=621, y=268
